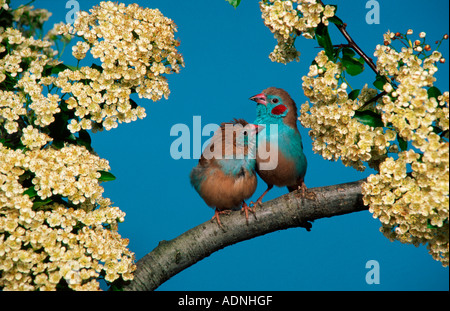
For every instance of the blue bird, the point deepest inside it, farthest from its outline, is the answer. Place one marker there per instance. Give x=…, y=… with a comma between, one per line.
x=286, y=164
x=225, y=174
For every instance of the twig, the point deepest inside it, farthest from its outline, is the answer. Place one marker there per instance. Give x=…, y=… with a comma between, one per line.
x=372, y=100
x=352, y=44
x=355, y=47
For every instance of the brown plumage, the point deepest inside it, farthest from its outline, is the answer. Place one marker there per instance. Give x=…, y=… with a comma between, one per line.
x=225, y=176
x=226, y=192
x=284, y=174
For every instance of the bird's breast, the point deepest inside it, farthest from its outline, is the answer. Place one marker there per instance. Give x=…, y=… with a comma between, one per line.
x=236, y=166
x=280, y=159
x=226, y=191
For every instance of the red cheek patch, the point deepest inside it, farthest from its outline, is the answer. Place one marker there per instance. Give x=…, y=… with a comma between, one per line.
x=279, y=109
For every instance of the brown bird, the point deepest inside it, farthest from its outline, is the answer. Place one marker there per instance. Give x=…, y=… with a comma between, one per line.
x=225, y=175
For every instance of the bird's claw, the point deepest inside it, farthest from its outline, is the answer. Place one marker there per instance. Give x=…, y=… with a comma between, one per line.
x=255, y=204
x=310, y=195
x=305, y=193
x=217, y=218
x=245, y=209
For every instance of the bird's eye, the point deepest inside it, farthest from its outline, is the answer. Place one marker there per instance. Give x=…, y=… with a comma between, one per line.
x=245, y=133
x=274, y=100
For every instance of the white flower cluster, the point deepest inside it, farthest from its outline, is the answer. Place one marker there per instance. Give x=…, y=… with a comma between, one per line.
x=412, y=120
x=56, y=229
x=42, y=243
x=289, y=19
x=334, y=130
x=413, y=207
x=136, y=46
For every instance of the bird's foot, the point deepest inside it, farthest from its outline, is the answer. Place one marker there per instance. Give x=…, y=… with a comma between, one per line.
x=259, y=201
x=217, y=218
x=245, y=209
x=305, y=193
x=255, y=204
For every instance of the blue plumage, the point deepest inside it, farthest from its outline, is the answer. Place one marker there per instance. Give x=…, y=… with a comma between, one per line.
x=276, y=107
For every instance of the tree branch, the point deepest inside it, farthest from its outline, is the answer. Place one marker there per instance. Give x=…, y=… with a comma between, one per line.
x=287, y=211
x=343, y=29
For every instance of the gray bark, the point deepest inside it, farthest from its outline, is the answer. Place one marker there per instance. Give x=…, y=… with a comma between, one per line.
x=288, y=211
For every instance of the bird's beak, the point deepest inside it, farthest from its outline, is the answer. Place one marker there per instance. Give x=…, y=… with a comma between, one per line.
x=260, y=99
x=259, y=128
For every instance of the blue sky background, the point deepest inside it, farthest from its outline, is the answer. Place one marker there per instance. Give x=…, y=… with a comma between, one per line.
x=226, y=54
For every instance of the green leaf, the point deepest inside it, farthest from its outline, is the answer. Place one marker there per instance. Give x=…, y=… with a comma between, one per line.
x=324, y=40
x=234, y=3
x=95, y=66
x=63, y=106
x=9, y=82
x=360, y=60
x=38, y=202
x=58, y=144
x=48, y=70
x=73, y=68
x=12, y=142
x=380, y=81
x=58, y=128
x=354, y=94
x=437, y=129
x=59, y=68
x=348, y=52
x=133, y=104
x=31, y=192
x=135, y=35
x=84, y=139
x=434, y=92
x=440, y=132
x=352, y=65
x=106, y=176
x=118, y=285
x=336, y=52
x=71, y=138
x=335, y=20
x=368, y=117
x=430, y=226
x=403, y=144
